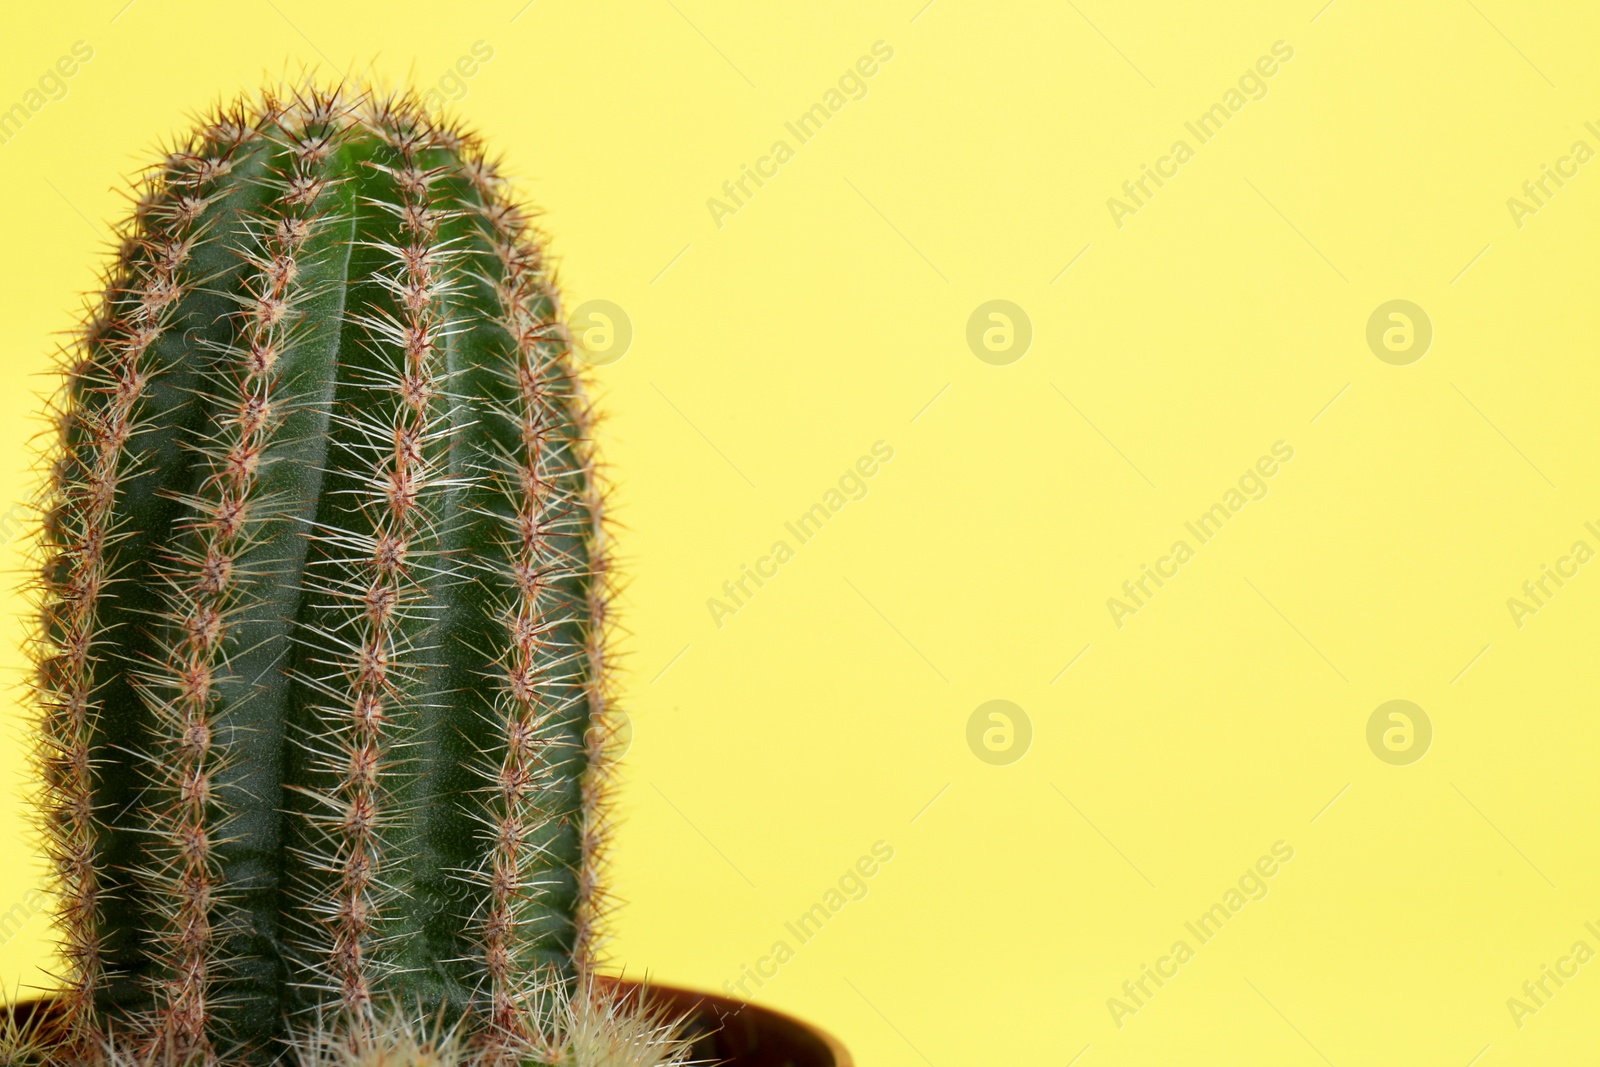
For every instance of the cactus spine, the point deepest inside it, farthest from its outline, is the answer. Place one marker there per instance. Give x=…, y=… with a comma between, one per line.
x=323, y=602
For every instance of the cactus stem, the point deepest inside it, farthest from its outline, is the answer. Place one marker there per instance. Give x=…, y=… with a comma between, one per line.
x=323, y=595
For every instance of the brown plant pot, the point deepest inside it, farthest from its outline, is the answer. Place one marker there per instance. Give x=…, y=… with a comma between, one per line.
x=737, y=1034
x=725, y=1032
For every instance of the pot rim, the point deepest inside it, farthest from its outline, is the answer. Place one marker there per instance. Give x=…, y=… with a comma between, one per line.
x=684, y=999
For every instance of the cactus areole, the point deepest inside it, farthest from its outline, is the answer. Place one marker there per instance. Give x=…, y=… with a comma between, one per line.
x=320, y=662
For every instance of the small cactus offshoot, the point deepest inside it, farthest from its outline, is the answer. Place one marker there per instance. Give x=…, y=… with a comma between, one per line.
x=321, y=655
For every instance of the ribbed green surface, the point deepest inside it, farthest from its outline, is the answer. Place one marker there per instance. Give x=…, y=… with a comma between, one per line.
x=322, y=595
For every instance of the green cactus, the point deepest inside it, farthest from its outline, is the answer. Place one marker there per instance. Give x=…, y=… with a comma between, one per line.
x=321, y=659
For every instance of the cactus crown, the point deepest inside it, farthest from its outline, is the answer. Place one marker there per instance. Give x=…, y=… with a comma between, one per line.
x=322, y=612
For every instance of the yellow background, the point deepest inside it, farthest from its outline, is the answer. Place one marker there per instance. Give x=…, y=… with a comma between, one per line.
x=771, y=352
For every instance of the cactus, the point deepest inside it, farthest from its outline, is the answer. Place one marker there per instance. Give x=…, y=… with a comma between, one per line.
x=321, y=659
